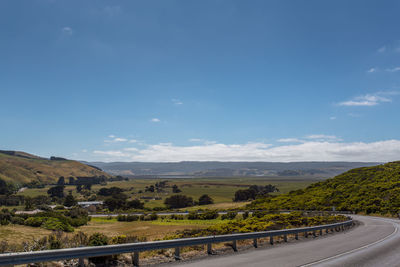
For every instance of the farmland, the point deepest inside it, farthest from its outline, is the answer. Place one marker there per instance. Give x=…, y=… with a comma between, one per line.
x=221, y=190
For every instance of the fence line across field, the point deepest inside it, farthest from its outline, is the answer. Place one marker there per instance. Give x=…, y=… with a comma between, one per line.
x=81, y=253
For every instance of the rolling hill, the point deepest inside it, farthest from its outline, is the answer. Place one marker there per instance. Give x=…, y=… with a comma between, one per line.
x=21, y=167
x=369, y=189
x=313, y=170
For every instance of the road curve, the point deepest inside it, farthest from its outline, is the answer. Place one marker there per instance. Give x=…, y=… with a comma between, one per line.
x=374, y=243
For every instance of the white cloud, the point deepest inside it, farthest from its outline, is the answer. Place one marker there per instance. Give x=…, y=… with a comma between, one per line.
x=115, y=139
x=382, y=49
x=133, y=141
x=387, y=150
x=84, y=150
x=290, y=140
x=195, y=140
x=369, y=99
x=177, y=102
x=371, y=70
x=332, y=118
x=155, y=120
x=393, y=69
x=67, y=31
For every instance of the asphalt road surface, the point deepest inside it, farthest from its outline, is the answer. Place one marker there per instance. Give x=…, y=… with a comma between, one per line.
x=374, y=243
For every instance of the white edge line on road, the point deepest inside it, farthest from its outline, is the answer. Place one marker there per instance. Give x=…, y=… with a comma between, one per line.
x=353, y=250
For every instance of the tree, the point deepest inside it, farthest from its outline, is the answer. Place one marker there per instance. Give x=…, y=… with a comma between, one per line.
x=71, y=180
x=205, y=200
x=61, y=181
x=149, y=188
x=110, y=191
x=70, y=200
x=175, y=189
x=135, y=204
x=178, y=201
x=6, y=188
x=79, y=188
x=56, y=191
x=114, y=203
x=28, y=203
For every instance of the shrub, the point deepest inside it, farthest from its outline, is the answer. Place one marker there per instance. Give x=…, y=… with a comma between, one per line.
x=56, y=224
x=98, y=239
x=34, y=221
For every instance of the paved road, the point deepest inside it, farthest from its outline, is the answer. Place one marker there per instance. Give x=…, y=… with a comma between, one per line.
x=375, y=243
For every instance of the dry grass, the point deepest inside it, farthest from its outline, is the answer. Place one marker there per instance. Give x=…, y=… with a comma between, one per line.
x=16, y=234
x=148, y=229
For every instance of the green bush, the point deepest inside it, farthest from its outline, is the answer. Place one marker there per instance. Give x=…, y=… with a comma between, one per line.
x=98, y=239
x=34, y=221
x=56, y=224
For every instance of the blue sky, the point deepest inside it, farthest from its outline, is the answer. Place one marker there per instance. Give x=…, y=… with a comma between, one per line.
x=201, y=80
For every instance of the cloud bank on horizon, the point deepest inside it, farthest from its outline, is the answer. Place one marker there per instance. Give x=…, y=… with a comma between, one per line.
x=310, y=148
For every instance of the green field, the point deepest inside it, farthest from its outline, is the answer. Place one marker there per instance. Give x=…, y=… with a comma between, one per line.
x=222, y=190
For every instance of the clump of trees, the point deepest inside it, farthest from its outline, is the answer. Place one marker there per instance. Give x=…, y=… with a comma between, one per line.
x=178, y=201
x=254, y=192
x=51, y=220
x=207, y=215
x=175, y=189
x=205, y=200
x=112, y=191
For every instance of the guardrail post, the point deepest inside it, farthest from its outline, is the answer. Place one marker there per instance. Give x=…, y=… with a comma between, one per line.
x=314, y=233
x=209, y=249
x=306, y=234
x=271, y=240
x=234, y=245
x=177, y=253
x=255, y=242
x=296, y=236
x=81, y=262
x=135, y=259
x=327, y=230
x=285, y=238
x=320, y=231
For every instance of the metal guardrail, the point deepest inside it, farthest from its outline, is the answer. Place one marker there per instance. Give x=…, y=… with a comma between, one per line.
x=87, y=252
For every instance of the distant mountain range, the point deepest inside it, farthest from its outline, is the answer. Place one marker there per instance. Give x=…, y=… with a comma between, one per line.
x=229, y=169
x=22, y=167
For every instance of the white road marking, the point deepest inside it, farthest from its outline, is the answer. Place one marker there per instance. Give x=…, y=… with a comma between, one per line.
x=354, y=250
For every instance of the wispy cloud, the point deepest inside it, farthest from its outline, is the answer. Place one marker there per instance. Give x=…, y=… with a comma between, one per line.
x=114, y=139
x=369, y=100
x=312, y=150
x=67, y=31
x=176, y=101
x=332, y=118
x=372, y=70
x=323, y=137
x=382, y=49
x=155, y=120
x=393, y=69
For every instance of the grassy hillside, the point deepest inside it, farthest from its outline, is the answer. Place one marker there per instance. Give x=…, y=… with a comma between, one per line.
x=23, y=167
x=369, y=189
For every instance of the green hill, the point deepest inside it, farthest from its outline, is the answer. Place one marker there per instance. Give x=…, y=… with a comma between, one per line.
x=369, y=189
x=21, y=167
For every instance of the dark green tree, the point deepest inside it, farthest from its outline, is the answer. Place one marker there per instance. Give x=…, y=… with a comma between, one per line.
x=70, y=200
x=205, y=200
